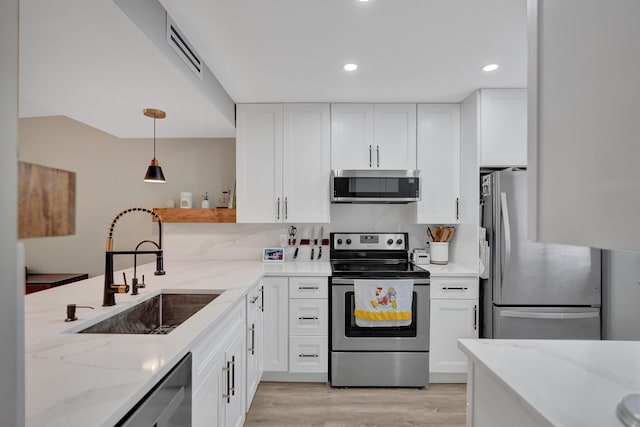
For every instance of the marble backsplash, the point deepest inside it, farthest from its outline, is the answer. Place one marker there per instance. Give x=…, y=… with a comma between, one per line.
x=246, y=241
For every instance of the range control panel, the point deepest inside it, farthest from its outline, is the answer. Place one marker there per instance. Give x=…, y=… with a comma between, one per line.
x=369, y=241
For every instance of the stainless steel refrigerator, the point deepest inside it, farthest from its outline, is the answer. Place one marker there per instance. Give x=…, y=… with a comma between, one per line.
x=533, y=290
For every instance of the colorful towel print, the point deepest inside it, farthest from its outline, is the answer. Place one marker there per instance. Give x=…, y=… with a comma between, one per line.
x=383, y=302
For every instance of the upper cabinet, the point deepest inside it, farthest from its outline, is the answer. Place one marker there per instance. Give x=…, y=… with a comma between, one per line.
x=282, y=163
x=584, y=119
x=373, y=136
x=503, y=127
x=439, y=163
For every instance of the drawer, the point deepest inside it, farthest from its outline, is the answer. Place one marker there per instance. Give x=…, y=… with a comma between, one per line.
x=308, y=287
x=308, y=354
x=308, y=317
x=454, y=287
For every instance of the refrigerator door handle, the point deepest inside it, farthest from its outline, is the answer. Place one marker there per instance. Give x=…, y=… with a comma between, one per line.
x=507, y=234
x=554, y=316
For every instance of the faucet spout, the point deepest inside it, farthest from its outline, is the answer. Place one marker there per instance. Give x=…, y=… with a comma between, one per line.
x=111, y=288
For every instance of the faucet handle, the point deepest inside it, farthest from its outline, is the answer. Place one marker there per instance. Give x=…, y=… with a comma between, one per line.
x=142, y=285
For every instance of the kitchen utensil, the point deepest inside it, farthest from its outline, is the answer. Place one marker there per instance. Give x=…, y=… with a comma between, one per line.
x=321, y=238
x=430, y=234
x=295, y=253
x=292, y=234
x=311, y=237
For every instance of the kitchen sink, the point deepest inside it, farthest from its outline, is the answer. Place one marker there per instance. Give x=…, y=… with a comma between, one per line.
x=159, y=314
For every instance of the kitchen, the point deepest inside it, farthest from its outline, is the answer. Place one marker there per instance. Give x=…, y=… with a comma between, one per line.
x=357, y=213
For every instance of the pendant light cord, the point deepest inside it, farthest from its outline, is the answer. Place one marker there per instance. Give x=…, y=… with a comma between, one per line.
x=154, y=136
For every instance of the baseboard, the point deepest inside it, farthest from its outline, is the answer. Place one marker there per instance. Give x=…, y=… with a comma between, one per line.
x=295, y=377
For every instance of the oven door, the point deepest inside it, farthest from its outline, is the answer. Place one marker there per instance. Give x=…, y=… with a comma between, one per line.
x=347, y=336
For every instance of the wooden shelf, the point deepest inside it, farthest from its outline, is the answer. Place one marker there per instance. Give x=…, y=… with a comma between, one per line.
x=196, y=215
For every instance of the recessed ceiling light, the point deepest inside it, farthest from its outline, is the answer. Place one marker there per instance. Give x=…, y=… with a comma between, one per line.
x=351, y=67
x=363, y=1
x=490, y=67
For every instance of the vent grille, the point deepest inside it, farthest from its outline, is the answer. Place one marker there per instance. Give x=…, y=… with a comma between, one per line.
x=181, y=46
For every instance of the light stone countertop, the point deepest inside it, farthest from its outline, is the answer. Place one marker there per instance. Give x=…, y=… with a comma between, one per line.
x=568, y=383
x=449, y=270
x=94, y=379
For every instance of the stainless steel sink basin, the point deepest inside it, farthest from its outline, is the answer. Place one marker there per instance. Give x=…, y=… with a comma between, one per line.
x=160, y=314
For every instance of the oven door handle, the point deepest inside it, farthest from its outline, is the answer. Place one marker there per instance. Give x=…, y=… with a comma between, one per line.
x=341, y=281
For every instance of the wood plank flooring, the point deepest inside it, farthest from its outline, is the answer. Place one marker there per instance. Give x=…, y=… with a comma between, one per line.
x=316, y=404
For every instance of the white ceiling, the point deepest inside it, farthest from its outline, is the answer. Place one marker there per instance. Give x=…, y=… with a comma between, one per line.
x=86, y=60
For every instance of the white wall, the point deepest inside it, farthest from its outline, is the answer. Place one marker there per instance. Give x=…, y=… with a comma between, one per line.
x=109, y=173
x=11, y=300
x=620, y=295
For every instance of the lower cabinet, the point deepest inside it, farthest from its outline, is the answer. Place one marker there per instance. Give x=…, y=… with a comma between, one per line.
x=255, y=341
x=454, y=315
x=296, y=326
x=219, y=374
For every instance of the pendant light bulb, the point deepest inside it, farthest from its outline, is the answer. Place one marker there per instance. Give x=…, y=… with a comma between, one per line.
x=154, y=171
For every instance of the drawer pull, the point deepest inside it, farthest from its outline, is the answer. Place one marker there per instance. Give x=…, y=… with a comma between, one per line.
x=308, y=318
x=455, y=288
x=308, y=355
x=308, y=288
x=254, y=299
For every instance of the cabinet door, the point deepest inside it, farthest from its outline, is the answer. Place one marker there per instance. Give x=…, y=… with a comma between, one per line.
x=503, y=127
x=439, y=163
x=352, y=136
x=450, y=321
x=253, y=355
x=259, y=163
x=307, y=166
x=276, y=324
x=394, y=136
x=235, y=385
x=208, y=405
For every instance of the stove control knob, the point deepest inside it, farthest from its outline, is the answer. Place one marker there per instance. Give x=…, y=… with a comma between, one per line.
x=348, y=241
x=390, y=242
x=339, y=241
x=399, y=241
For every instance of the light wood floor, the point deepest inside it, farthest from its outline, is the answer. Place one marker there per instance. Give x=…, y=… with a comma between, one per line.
x=315, y=404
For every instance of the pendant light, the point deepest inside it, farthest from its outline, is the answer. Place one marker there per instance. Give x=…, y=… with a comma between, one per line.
x=154, y=172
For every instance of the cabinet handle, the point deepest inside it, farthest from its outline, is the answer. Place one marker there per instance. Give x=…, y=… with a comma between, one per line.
x=228, y=371
x=233, y=375
x=475, y=317
x=378, y=155
x=308, y=318
x=262, y=299
x=278, y=209
x=254, y=299
x=457, y=209
x=370, y=156
x=308, y=288
x=253, y=338
x=286, y=208
x=454, y=288
x=308, y=355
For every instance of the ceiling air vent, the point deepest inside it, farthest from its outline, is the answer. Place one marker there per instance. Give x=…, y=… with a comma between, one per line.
x=181, y=46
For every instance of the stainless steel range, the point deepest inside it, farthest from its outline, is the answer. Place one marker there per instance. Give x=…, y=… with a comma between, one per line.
x=382, y=356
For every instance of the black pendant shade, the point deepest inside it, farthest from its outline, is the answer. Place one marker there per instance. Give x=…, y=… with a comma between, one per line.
x=154, y=172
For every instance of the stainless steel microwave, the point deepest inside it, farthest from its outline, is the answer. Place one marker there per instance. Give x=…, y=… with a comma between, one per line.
x=375, y=186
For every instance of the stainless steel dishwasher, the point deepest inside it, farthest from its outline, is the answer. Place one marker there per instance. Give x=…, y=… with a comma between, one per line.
x=168, y=404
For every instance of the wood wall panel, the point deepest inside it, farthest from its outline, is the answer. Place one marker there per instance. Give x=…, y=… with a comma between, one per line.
x=46, y=201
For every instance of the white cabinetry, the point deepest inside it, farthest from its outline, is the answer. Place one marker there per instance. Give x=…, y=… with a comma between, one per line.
x=219, y=373
x=296, y=317
x=282, y=163
x=276, y=324
x=308, y=325
x=503, y=127
x=255, y=341
x=373, y=136
x=454, y=315
x=438, y=156
x=584, y=122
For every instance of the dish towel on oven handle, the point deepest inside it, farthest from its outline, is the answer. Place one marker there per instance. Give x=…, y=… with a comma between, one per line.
x=381, y=303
